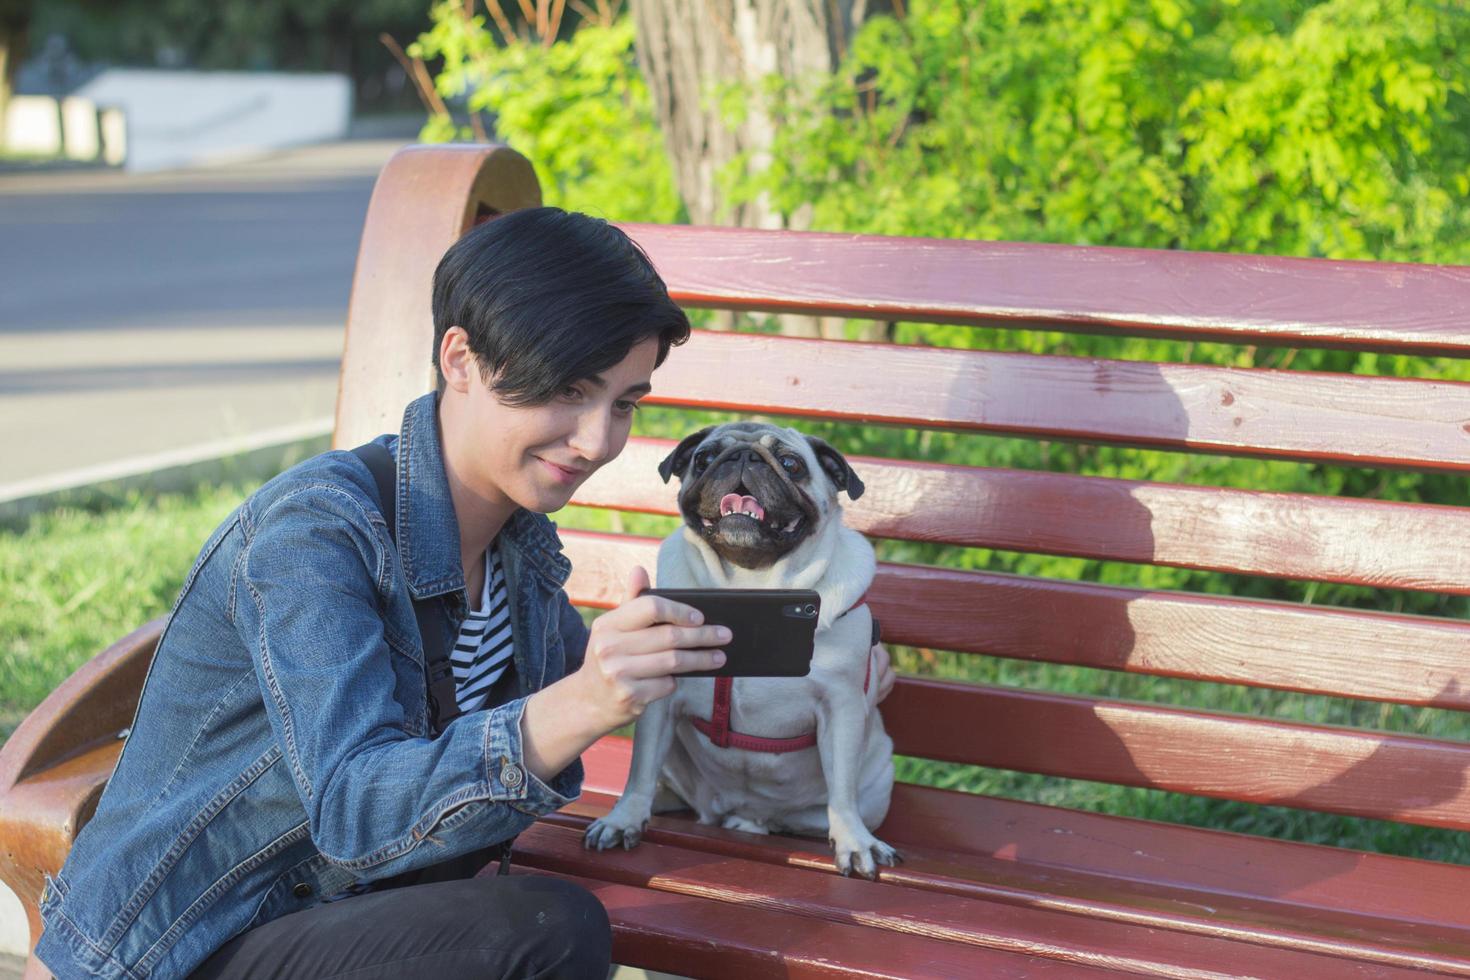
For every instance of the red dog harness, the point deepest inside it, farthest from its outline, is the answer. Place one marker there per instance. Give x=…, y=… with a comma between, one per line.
x=717, y=729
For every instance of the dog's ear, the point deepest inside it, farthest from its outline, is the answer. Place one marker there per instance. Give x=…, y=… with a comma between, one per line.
x=678, y=460
x=835, y=465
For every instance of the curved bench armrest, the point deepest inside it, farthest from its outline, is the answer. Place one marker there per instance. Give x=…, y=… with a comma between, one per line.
x=53, y=768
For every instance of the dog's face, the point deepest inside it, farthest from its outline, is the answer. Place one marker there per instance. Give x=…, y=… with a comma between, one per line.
x=754, y=492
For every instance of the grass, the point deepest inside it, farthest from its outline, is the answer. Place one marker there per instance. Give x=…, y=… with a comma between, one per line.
x=73, y=580
x=27, y=156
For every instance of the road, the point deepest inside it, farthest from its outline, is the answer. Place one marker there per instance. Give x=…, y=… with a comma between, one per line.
x=145, y=313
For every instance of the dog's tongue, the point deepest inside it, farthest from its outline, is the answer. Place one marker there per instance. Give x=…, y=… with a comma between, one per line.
x=734, y=503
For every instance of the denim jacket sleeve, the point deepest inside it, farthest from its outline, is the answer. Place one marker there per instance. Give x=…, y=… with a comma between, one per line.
x=379, y=799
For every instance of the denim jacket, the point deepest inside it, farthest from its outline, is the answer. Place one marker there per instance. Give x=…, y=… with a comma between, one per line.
x=281, y=750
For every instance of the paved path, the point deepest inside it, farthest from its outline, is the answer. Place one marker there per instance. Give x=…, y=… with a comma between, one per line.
x=144, y=313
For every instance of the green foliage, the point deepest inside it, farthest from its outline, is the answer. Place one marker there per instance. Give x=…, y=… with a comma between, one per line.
x=1338, y=129
x=577, y=108
x=73, y=581
x=339, y=35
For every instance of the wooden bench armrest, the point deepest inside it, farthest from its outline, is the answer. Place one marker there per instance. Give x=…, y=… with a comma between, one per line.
x=53, y=768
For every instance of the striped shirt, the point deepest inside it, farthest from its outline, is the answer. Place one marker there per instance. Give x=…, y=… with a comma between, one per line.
x=482, y=653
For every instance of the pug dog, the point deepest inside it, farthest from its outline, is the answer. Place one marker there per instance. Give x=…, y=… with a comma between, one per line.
x=761, y=511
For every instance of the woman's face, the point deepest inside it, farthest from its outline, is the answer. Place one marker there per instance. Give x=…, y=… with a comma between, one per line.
x=536, y=456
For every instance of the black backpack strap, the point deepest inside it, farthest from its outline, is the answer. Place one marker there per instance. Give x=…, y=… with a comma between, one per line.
x=385, y=473
x=443, y=705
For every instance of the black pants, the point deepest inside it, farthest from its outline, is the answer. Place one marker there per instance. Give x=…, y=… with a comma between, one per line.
x=431, y=924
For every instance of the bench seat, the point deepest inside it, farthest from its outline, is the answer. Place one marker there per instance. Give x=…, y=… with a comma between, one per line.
x=987, y=876
x=706, y=937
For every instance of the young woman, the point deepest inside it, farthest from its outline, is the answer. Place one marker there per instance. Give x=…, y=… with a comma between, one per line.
x=284, y=806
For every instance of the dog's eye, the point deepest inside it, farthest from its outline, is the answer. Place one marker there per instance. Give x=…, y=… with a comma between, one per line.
x=703, y=460
x=792, y=465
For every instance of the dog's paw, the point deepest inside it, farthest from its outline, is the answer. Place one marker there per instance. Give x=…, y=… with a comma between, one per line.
x=612, y=830
x=862, y=855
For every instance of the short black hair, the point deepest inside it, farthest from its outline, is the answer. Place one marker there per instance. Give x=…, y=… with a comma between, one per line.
x=548, y=298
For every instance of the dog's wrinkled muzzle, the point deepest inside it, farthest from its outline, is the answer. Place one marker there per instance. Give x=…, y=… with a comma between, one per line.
x=746, y=508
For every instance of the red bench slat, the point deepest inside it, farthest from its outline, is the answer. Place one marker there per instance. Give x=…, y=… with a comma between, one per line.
x=701, y=937
x=1329, y=539
x=1320, y=417
x=1317, y=883
x=1389, y=306
x=1416, y=660
x=1031, y=882
x=1204, y=913
x=1335, y=770
x=909, y=911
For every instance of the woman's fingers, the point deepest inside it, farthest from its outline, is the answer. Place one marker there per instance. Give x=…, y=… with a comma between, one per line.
x=654, y=608
x=637, y=632
x=637, y=583
x=683, y=661
x=641, y=611
x=636, y=649
x=662, y=650
x=653, y=639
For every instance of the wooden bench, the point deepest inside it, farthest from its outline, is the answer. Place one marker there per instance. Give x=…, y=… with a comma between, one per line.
x=990, y=886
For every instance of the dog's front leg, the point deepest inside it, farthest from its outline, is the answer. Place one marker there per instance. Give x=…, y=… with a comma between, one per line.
x=841, y=721
x=624, y=823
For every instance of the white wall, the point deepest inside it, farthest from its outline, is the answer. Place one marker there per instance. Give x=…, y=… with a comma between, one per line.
x=37, y=124
x=33, y=125
x=182, y=118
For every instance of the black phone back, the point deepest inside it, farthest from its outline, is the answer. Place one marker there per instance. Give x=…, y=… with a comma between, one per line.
x=773, y=630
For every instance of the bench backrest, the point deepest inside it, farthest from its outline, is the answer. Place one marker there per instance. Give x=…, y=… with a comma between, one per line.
x=426, y=197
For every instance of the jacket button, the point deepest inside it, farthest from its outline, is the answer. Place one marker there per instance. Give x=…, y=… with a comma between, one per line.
x=510, y=776
x=302, y=890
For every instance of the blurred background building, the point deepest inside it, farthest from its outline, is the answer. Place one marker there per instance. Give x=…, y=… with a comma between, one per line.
x=172, y=83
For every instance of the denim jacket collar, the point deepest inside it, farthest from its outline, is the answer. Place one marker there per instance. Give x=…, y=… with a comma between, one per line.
x=428, y=530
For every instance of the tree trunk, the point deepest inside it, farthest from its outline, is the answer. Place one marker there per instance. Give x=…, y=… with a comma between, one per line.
x=11, y=48
x=15, y=25
x=4, y=82
x=688, y=48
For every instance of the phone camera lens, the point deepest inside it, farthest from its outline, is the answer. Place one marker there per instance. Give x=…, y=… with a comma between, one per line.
x=809, y=609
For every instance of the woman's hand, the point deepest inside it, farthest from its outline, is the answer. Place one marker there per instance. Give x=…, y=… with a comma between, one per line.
x=635, y=651
x=886, y=676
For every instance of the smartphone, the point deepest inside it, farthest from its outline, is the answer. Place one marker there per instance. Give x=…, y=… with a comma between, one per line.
x=773, y=631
